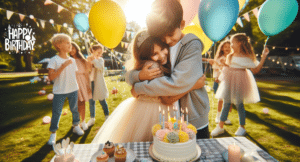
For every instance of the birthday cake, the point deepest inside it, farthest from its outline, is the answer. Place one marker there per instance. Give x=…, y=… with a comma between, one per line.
x=64, y=151
x=174, y=141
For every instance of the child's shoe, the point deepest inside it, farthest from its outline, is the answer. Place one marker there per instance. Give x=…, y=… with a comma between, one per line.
x=240, y=132
x=78, y=130
x=227, y=122
x=217, y=120
x=91, y=122
x=52, y=139
x=217, y=131
x=84, y=126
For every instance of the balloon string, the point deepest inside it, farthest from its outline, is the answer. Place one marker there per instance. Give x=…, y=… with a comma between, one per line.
x=267, y=41
x=207, y=62
x=86, y=44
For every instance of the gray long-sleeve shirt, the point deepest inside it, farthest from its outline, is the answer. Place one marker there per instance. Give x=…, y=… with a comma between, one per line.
x=187, y=70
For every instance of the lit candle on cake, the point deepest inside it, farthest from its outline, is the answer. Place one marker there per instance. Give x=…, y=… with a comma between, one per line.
x=169, y=119
x=187, y=116
x=176, y=110
x=234, y=153
x=159, y=115
x=182, y=116
x=163, y=126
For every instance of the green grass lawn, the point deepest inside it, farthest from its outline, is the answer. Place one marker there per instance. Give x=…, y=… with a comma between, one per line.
x=24, y=137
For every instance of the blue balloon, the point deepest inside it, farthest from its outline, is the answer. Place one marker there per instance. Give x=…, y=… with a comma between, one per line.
x=276, y=15
x=81, y=22
x=217, y=17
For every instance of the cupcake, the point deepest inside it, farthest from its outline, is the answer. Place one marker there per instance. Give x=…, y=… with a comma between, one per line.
x=109, y=148
x=120, y=154
x=103, y=157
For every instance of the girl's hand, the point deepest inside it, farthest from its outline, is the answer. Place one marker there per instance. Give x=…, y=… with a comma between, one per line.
x=200, y=82
x=265, y=52
x=149, y=74
x=90, y=58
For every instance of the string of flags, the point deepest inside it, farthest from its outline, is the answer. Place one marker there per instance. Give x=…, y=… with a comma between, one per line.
x=246, y=16
x=38, y=21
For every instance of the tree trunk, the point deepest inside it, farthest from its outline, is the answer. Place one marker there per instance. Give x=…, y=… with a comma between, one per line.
x=19, y=67
x=27, y=60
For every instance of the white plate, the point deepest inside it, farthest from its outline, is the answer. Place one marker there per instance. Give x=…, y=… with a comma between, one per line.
x=194, y=159
x=129, y=157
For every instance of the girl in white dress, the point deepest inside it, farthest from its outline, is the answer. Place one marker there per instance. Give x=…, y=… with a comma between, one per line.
x=237, y=85
x=133, y=119
x=219, y=62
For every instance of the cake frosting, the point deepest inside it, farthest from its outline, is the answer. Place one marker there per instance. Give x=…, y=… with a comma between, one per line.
x=65, y=158
x=175, y=141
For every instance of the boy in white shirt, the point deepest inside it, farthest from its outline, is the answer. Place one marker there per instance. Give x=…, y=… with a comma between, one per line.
x=62, y=71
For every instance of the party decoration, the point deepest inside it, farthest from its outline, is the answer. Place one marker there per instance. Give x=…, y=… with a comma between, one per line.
x=265, y=110
x=81, y=22
x=107, y=22
x=114, y=91
x=217, y=17
x=190, y=8
x=241, y=4
x=46, y=119
x=276, y=15
x=50, y=97
x=200, y=34
x=42, y=92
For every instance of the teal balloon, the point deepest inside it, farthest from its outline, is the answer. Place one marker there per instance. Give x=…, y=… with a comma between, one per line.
x=276, y=15
x=81, y=22
x=217, y=17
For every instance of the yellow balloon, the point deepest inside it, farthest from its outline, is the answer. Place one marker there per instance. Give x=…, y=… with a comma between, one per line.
x=196, y=20
x=241, y=4
x=107, y=22
x=197, y=30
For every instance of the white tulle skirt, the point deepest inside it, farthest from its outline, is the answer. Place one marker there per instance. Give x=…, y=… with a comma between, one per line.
x=237, y=86
x=132, y=121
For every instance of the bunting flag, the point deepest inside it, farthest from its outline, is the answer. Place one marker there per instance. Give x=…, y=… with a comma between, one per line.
x=47, y=2
x=234, y=28
x=43, y=23
x=58, y=27
x=132, y=34
x=255, y=12
x=122, y=44
x=60, y=8
x=21, y=17
x=126, y=45
x=246, y=16
x=37, y=24
x=9, y=14
x=80, y=34
x=70, y=30
x=239, y=21
x=128, y=33
x=73, y=15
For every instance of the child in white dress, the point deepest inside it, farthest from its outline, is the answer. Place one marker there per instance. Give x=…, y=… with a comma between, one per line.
x=133, y=119
x=237, y=85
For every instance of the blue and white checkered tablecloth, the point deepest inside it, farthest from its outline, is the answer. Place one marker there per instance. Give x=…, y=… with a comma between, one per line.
x=211, y=149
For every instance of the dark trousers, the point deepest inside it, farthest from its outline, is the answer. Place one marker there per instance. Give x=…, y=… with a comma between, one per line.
x=203, y=133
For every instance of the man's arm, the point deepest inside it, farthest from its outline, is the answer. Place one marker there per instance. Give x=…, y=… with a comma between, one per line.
x=184, y=76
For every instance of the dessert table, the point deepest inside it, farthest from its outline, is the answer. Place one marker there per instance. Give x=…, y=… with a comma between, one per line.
x=211, y=150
